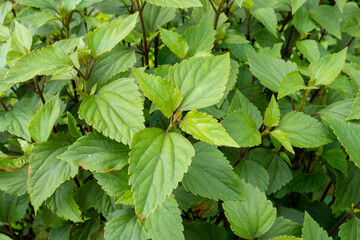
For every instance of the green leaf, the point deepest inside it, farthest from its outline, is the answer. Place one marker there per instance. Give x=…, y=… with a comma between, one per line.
x=282, y=227
x=14, y=182
x=60, y=233
x=21, y=40
x=296, y=4
x=119, y=59
x=338, y=110
x=291, y=83
x=12, y=208
x=268, y=18
x=304, y=183
x=63, y=204
x=155, y=16
x=283, y=138
x=3, y=236
x=176, y=3
x=69, y=5
x=240, y=126
x=38, y=3
x=210, y=166
x=46, y=61
x=253, y=173
x=309, y=49
x=206, y=128
x=165, y=222
x=104, y=38
x=252, y=218
x=347, y=134
x=272, y=114
x=270, y=71
x=200, y=38
x=202, y=80
x=327, y=17
x=302, y=20
x=115, y=111
x=163, y=93
x=5, y=7
x=312, y=230
x=72, y=126
x=167, y=157
x=44, y=120
x=9, y=163
x=347, y=191
x=326, y=69
x=350, y=230
x=239, y=101
x=355, y=109
x=303, y=130
x=336, y=159
x=97, y=153
x=124, y=225
x=114, y=183
x=203, y=231
x=46, y=171
x=176, y=43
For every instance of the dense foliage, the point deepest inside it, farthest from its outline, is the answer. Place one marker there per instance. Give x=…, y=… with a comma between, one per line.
x=179, y=119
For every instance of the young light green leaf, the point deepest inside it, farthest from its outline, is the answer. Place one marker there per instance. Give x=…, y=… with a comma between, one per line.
x=46, y=61
x=124, y=225
x=3, y=236
x=97, y=153
x=355, y=109
x=326, y=69
x=5, y=7
x=200, y=38
x=350, y=230
x=176, y=43
x=291, y=83
x=165, y=222
x=252, y=218
x=115, y=111
x=253, y=173
x=210, y=165
x=21, y=40
x=268, y=18
x=206, y=128
x=63, y=204
x=303, y=130
x=176, y=3
x=72, y=126
x=283, y=138
x=309, y=49
x=312, y=230
x=240, y=126
x=239, y=101
x=167, y=157
x=38, y=3
x=114, y=183
x=202, y=80
x=270, y=71
x=104, y=38
x=348, y=135
x=46, y=171
x=44, y=120
x=272, y=114
x=163, y=93
x=327, y=17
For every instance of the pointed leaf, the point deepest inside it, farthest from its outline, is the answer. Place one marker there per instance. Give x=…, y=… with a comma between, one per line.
x=104, y=38
x=210, y=166
x=253, y=173
x=97, y=153
x=206, y=128
x=115, y=111
x=268, y=18
x=283, y=138
x=291, y=83
x=176, y=3
x=242, y=128
x=312, y=230
x=272, y=114
x=252, y=218
x=12, y=208
x=114, y=183
x=46, y=171
x=163, y=93
x=21, y=40
x=327, y=17
x=326, y=69
x=14, y=182
x=303, y=130
x=44, y=120
x=201, y=80
x=355, y=109
x=309, y=49
x=46, y=61
x=350, y=230
x=167, y=157
x=165, y=223
x=176, y=43
x=296, y=4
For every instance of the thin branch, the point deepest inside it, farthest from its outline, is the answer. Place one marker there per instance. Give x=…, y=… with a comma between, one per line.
x=3, y=105
x=212, y=4
x=91, y=69
x=31, y=87
x=343, y=220
x=228, y=5
x=292, y=102
x=350, y=42
x=38, y=90
x=43, y=83
x=126, y=6
x=79, y=72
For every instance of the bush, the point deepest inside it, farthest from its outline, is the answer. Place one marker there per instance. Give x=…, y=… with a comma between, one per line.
x=179, y=119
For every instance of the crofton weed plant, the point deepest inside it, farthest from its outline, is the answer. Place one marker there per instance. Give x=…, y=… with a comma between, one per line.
x=179, y=119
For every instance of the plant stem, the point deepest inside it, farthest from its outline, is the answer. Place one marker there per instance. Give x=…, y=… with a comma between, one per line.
x=303, y=100
x=217, y=14
x=265, y=133
x=39, y=92
x=343, y=220
x=3, y=105
x=140, y=8
x=248, y=24
x=286, y=50
x=156, y=51
x=350, y=42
